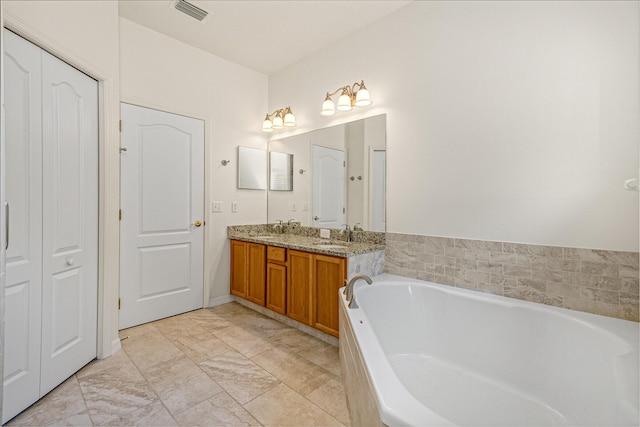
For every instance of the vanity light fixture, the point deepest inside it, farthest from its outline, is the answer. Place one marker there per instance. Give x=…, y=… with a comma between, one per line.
x=281, y=118
x=355, y=95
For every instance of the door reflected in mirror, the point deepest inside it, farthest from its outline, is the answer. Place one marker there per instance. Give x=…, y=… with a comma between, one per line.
x=340, y=175
x=280, y=171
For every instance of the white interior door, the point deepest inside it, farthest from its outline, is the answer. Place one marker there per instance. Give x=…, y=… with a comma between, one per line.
x=328, y=187
x=69, y=220
x=162, y=200
x=23, y=281
x=52, y=259
x=378, y=199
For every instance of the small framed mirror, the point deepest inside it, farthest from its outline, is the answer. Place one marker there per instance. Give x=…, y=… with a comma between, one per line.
x=252, y=168
x=280, y=171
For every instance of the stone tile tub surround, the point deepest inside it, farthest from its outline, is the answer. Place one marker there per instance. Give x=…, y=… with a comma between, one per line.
x=591, y=280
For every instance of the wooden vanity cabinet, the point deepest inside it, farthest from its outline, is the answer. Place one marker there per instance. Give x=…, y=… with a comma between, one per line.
x=313, y=284
x=277, y=279
x=329, y=273
x=299, y=282
x=248, y=271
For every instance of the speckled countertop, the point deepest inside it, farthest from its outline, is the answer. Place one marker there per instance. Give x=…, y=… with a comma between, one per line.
x=294, y=240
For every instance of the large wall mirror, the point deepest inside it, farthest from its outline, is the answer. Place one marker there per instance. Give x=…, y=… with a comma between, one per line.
x=339, y=176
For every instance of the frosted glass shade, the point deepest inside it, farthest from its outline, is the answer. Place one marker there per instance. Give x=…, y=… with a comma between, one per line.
x=344, y=102
x=362, y=97
x=289, y=119
x=277, y=122
x=267, y=126
x=328, y=107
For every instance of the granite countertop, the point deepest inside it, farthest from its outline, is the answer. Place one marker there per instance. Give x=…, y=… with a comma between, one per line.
x=305, y=243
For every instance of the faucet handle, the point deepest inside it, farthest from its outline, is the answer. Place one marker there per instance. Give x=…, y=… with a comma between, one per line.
x=357, y=227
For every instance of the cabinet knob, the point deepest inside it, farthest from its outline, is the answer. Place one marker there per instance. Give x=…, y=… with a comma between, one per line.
x=315, y=218
x=70, y=261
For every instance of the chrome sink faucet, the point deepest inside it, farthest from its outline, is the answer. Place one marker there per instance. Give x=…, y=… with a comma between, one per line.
x=347, y=230
x=278, y=226
x=348, y=292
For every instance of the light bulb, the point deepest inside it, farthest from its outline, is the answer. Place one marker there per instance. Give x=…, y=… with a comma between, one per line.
x=328, y=107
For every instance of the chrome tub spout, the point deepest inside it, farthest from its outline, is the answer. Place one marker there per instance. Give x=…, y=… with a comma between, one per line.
x=348, y=292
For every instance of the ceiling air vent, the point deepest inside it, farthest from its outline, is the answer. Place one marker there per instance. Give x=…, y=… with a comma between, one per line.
x=190, y=9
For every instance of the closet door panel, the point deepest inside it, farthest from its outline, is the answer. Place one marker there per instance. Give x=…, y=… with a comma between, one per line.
x=23, y=279
x=70, y=220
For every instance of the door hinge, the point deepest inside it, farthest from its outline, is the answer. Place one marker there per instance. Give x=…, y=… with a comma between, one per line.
x=118, y=303
x=344, y=210
x=120, y=215
x=120, y=125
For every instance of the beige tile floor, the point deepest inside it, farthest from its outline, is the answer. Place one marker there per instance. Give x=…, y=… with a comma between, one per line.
x=220, y=366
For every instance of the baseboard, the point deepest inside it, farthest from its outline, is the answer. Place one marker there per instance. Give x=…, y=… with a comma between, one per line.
x=221, y=300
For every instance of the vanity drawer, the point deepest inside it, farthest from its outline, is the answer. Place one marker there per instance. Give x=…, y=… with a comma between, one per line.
x=276, y=254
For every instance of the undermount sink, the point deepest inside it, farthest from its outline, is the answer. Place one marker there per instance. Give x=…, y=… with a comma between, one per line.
x=264, y=237
x=329, y=246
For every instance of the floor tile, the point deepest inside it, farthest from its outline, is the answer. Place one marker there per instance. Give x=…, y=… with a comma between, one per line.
x=330, y=397
x=292, y=339
x=220, y=410
x=148, y=350
x=201, y=347
x=154, y=414
x=245, y=340
x=62, y=402
x=295, y=371
x=181, y=384
x=239, y=376
x=178, y=326
x=282, y=406
x=323, y=354
x=119, y=391
x=106, y=364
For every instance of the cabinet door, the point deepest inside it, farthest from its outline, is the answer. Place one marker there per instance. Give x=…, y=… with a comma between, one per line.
x=239, y=268
x=276, y=287
x=329, y=275
x=256, y=280
x=299, y=286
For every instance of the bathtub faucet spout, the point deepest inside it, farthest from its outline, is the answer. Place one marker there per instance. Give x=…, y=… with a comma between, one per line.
x=348, y=292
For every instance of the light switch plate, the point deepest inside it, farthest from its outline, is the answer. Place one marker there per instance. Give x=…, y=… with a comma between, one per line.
x=325, y=233
x=293, y=207
x=234, y=207
x=216, y=207
x=305, y=207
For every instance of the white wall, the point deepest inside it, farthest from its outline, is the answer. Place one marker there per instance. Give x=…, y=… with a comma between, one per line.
x=508, y=121
x=85, y=34
x=159, y=72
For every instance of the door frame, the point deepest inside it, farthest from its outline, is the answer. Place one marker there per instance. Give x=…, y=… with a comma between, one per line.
x=108, y=181
x=205, y=197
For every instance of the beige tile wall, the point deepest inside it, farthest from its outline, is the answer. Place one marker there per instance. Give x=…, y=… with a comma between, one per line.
x=591, y=280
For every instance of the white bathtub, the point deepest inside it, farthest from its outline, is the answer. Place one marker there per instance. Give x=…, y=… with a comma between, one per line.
x=423, y=354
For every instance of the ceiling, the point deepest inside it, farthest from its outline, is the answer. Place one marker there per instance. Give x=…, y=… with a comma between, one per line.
x=265, y=36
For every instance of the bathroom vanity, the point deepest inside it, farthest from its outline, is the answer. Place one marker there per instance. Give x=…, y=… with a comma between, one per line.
x=298, y=276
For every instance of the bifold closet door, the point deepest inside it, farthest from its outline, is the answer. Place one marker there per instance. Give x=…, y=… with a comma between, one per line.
x=52, y=189
x=23, y=279
x=70, y=221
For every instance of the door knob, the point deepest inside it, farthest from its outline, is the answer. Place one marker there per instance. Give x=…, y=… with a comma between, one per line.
x=197, y=223
x=315, y=218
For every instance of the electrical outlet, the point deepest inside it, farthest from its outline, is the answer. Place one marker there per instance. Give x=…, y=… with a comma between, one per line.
x=216, y=207
x=234, y=207
x=293, y=207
